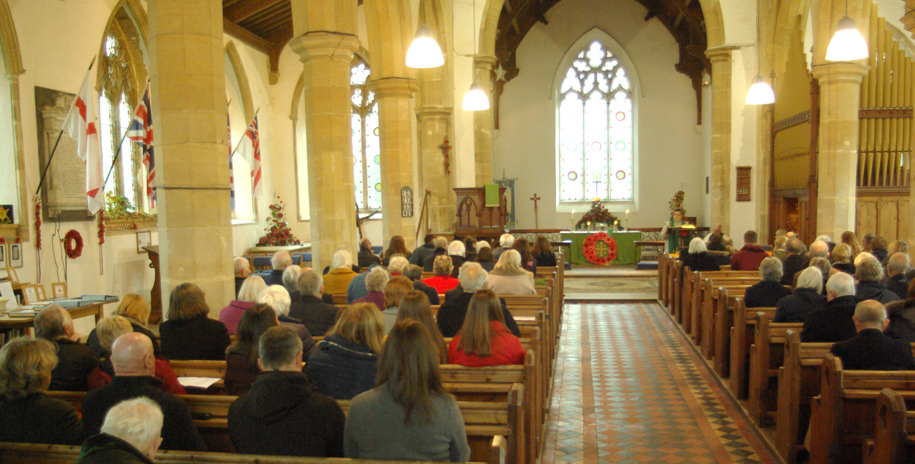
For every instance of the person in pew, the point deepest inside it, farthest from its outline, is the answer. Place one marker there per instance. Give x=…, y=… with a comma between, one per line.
x=27, y=415
x=778, y=247
x=451, y=314
x=357, y=288
x=470, y=248
x=505, y=243
x=848, y=237
x=134, y=368
x=441, y=249
x=317, y=315
x=869, y=274
x=806, y=297
x=871, y=349
x=290, y=277
x=247, y=297
x=842, y=258
x=901, y=315
x=375, y=281
x=279, y=261
x=345, y=363
x=397, y=246
x=767, y=292
x=277, y=298
x=825, y=270
x=718, y=250
x=135, y=308
x=509, y=278
x=409, y=415
x=419, y=255
x=336, y=282
x=698, y=258
x=131, y=434
x=397, y=265
x=896, y=246
x=109, y=329
x=415, y=305
x=456, y=251
x=866, y=242
x=394, y=292
x=749, y=257
x=833, y=322
x=485, y=258
x=282, y=414
x=74, y=360
x=443, y=280
x=189, y=333
x=366, y=257
x=415, y=274
x=483, y=339
x=878, y=248
x=896, y=281
x=241, y=357
x=796, y=260
x=523, y=247
x=242, y=271
x=543, y=252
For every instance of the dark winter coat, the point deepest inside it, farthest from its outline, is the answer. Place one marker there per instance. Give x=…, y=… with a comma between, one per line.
x=197, y=338
x=874, y=291
x=872, y=350
x=765, y=294
x=796, y=307
x=902, y=320
x=342, y=369
x=39, y=419
x=317, y=315
x=831, y=323
x=93, y=343
x=75, y=362
x=450, y=316
x=701, y=262
x=108, y=449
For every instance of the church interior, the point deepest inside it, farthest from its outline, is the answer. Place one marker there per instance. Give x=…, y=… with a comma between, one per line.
x=306, y=113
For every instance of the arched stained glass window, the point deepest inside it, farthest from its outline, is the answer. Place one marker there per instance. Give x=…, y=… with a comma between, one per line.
x=595, y=128
x=366, y=144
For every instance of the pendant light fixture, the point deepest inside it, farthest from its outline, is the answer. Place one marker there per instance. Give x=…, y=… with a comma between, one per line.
x=424, y=52
x=760, y=92
x=847, y=43
x=475, y=99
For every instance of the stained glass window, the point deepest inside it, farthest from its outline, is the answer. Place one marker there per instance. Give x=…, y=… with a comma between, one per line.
x=595, y=128
x=366, y=144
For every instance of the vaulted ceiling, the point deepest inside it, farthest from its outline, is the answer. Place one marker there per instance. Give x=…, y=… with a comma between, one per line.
x=265, y=25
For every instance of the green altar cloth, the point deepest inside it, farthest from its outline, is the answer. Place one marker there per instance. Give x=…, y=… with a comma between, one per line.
x=626, y=251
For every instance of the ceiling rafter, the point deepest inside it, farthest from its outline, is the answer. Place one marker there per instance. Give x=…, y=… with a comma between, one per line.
x=265, y=25
x=244, y=9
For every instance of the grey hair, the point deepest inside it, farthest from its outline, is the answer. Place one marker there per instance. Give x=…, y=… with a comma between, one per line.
x=291, y=275
x=277, y=346
x=457, y=248
x=819, y=249
x=472, y=277
x=870, y=312
x=860, y=257
x=251, y=288
x=343, y=259
x=413, y=272
x=811, y=278
x=841, y=284
x=109, y=328
x=398, y=264
x=310, y=283
x=822, y=264
x=506, y=240
x=824, y=238
x=241, y=264
x=137, y=421
x=770, y=269
x=795, y=246
x=277, y=297
x=869, y=270
x=899, y=262
x=376, y=279
x=440, y=242
x=280, y=260
x=697, y=245
x=780, y=242
x=51, y=323
x=509, y=260
x=483, y=244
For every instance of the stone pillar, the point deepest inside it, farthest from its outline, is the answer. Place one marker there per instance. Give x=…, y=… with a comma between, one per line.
x=327, y=57
x=720, y=181
x=189, y=91
x=434, y=175
x=395, y=124
x=840, y=89
x=909, y=22
x=483, y=122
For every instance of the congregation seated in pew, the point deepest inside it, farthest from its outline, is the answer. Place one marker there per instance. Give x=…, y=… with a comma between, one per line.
x=135, y=308
x=415, y=274
x=902, y=316
x=366, y=257
x=317, y=315
x=833, y=322
x=439, y=248
x=415, y=305
x=842, y=258
x=508, y=277
x=483, y=339
x=871, y=349
x=394, y=292
x=443, y=280
x=396, y=246
x=543, y=252
x=450, y=317
x=375, y=280
x=279, y=261
x=241, y=357
x=109, y=329
x=805, y=298
x=769, y=290
x=189, y=333
x=869, y=274
x=896, y=280
x=242, y=271
x=247, y=297
x=698, y=258
x=750, y=256
x=419, y=254
x=337, y=280
x=277, y=297
x=345, y=362
x=75, y=360
x=130, y=434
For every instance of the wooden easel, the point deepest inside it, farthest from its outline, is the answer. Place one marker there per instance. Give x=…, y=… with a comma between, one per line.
x=423, y=215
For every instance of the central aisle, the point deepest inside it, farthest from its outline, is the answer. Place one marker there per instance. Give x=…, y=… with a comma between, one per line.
x=628, y=388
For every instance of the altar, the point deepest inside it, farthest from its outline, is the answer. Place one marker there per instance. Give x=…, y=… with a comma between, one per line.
x=626, y=251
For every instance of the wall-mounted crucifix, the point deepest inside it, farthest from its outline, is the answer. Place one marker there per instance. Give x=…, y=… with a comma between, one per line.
x=535, y=198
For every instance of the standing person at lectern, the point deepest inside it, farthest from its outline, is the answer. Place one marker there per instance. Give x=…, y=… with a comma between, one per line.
x=676, y=220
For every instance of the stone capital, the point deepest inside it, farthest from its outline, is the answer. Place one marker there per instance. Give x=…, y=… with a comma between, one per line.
x=330, y=45
x=430, y=112
x=839, y=73
x=908, y=20
x=719, y=54
x=392, y=87
x=484, y=62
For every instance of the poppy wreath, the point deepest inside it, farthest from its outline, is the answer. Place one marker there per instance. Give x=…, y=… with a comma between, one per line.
x=76, y=250
x=590, y=248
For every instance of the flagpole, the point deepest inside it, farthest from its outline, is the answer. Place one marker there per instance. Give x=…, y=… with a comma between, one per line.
x=54, y=150
x=242, y=139
x=114, y=161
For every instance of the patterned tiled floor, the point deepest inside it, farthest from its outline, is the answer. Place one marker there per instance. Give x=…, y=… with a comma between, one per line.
x=628, y=389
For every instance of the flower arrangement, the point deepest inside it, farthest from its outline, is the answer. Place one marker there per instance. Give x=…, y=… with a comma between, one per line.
x=119, y=207
x=597, y=214
x=677, y=202
x=278, y=231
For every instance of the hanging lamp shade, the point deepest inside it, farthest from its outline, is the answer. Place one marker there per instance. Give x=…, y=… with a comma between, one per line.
x=424, y=52
x=475, y=99
x=760, y=92
x=847, y=43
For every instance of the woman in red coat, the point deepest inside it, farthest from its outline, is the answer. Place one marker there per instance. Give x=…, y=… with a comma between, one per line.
x=484, y=340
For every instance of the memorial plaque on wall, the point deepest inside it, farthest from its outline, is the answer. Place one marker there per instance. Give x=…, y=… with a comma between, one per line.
x=406, y=202
x=63, y=193
x=743, y=183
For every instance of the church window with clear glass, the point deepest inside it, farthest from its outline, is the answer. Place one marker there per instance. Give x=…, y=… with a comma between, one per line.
x=595, y=128
x=366, y=144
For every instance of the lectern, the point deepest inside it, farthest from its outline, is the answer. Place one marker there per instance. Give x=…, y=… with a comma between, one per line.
x=474, y=217
x=679, y=237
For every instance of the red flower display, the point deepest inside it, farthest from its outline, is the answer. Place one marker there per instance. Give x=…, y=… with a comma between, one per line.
x=76, y=249
x=37, y=222
x=278, y=231
x=595, y=255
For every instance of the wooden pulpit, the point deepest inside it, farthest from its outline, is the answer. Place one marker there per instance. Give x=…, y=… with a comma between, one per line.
x=474, y=217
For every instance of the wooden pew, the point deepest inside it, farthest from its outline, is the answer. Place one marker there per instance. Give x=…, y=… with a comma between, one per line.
x=28, y=453
x=894, y=432
x=662, y=278
x=714, y=302
x=741, y=340
x=701, y=311
x=766, y=358
x=724, y=325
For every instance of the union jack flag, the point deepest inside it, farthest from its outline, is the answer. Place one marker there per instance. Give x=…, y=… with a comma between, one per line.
x=250, y=148
x=141, y=132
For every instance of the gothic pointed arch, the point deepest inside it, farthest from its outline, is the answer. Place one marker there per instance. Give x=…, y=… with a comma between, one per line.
x=242, y=77
x=12, y=69
x=9, y=42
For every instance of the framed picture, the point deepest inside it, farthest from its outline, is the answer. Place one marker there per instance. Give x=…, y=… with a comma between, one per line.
x=15, y=256
x=3, y=261
x=39, y=290
x=144, y=239
x=59, y=289
x=29, y=294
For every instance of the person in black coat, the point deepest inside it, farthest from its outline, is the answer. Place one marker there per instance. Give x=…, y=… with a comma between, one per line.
x=121, y=440
x=281, y=414
x=543, y=252
x=27, y=415
x=896, y=280
x=807, y=297
x=135, y=308
x=419, y=254
x=833, y=322
x=450, y=316
x=366, y=256
x=189, y=333
x=415, y=274
x=869, y=273
x=134, y=367
x=310, y=308
x=795, y=261
x=698, y=258
x=767, y=292
x=871, y=349
x=441, y=248
x=901, y=315
x=74, y=360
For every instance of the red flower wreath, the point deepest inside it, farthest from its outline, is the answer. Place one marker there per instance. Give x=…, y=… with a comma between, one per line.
x=590, y=248
x=77, y=249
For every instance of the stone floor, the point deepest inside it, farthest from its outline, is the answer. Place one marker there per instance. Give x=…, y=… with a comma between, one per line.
x=629, y=389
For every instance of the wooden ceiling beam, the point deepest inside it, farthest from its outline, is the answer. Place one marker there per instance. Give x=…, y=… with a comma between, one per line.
x=240, y=11
x=246, y=36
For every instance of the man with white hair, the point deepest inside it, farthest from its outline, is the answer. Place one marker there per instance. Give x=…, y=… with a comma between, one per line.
x=450, y=316
x=277, y=298
x=698, y=258
x=337, y=280
x=375, y=281
x=456, y=251
x=896, y=280
x=356, y=287
x=768, y=291
x=280, y=261
x=807, y=297
x=871, y=349
x=833, y=322
x=869, y=274
x=76, y=360
x=242, y=271
x=317, y=315
x=505, y=243
x=131, y=434
x=440, y=247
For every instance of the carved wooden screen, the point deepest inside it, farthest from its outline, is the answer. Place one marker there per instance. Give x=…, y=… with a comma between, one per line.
x=791, y=122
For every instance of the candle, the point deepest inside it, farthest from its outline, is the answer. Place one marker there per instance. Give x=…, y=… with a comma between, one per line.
x=572, y=227
x=627, y=213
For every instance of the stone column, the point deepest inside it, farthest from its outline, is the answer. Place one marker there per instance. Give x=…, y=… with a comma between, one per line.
x=909, y=22
x=434, y=175
x=840, y=89
x=327, y=57
x=395, y=124
x=189, y=91
x=720, y=181
x=483, y=122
